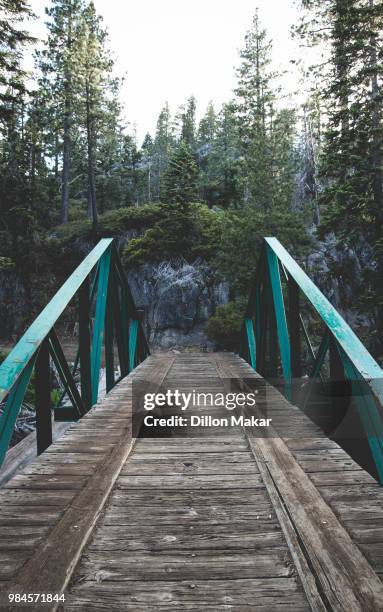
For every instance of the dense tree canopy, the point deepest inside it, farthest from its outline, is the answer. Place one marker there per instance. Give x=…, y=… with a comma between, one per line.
x=218, y=178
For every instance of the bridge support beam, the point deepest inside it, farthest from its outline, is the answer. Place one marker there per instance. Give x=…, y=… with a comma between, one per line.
x=280, y=317
x=252, y=351
x=294, y=328
x=43, y=398
x=85, y=344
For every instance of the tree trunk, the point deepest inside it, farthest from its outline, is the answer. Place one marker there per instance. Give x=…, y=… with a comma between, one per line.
x=92, y=203
x=66, y=165
x=56, y=154
x=67, y=127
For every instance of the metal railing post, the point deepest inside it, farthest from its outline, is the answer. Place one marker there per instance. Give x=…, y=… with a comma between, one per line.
x=43, y=398
x=85, y=344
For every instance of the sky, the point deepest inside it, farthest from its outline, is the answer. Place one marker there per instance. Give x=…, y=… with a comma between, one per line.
x=172, y=49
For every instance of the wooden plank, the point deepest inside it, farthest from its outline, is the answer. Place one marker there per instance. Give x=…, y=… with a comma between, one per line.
x=56, y=556
x=341, y=478
x=51, y=457
x=301, y=562
x=11, y=562
x=188, y=508
x=185, y=565
x=374, y=554
x=190, y=482
x=16, y=516
x=24, y=452
x=276, y=595
x=191, y=445
x=83, y=446
x=329, y=464
x=21, y=538
x=61, y=469
x=357, y=510
x=48, y=483
x=144, y=498
x=25, y=497
x=262, y=512
x=188, y=468
x=353, y=492
x=140, y=458
x=341, y=569
x=188, y=537
x=366, y=530
x=344, y=574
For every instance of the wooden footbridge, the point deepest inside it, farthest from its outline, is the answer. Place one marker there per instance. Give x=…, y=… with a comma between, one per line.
x=270, y=517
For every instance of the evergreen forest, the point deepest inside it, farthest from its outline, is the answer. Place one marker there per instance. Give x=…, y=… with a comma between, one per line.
x=208, y=184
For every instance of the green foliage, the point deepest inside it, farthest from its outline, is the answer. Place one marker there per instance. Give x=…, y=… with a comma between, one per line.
x=175, y=233
x=66, y=153
x=229, y=240
x=188, y=127
x=55, y=397
x=180, y=179
x=163, y=146
x=13, y=39
x=123, y=219
x=209, y=225
x=189, y=234
x=220, y=159
x=112, y=223
x=266, y=134
x=224, y=327
x=351, y=161
x=242, y=236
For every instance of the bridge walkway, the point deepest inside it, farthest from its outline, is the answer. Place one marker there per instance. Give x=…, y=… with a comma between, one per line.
x=222, y=520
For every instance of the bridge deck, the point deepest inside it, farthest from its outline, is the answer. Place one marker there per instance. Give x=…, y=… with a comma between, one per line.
x=226, y=520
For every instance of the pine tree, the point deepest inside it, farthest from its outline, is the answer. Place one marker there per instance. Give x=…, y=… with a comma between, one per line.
x=59, y=66
x=284, y=158
x=16, y=219
x=352, y=155
x=99, y=89
x=255, y=99
x=351, y=200
x=164, y=143
x=266, y=132
x=188, y=122
x=207, y=128
x=13, y=39
x=226, y=158
x=113, y=184
x=147, y=151
x=207, y=132
x=309, y=147
x=180, y=180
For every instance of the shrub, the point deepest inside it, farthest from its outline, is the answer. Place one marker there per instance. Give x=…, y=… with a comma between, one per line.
x=122, y=219
x=188, y=232
x=111, y=223
x=224, y=327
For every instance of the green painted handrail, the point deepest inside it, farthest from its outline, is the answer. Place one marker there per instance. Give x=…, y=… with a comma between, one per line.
x=17, y=360
x=348, y=340
x=278, y=330
x=115, y=317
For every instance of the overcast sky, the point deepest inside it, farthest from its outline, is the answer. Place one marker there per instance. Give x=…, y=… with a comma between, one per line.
x=171, y=49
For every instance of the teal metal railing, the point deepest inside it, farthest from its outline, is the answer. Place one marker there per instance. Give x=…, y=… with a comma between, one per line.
x=106, y=316
x=275, y=338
